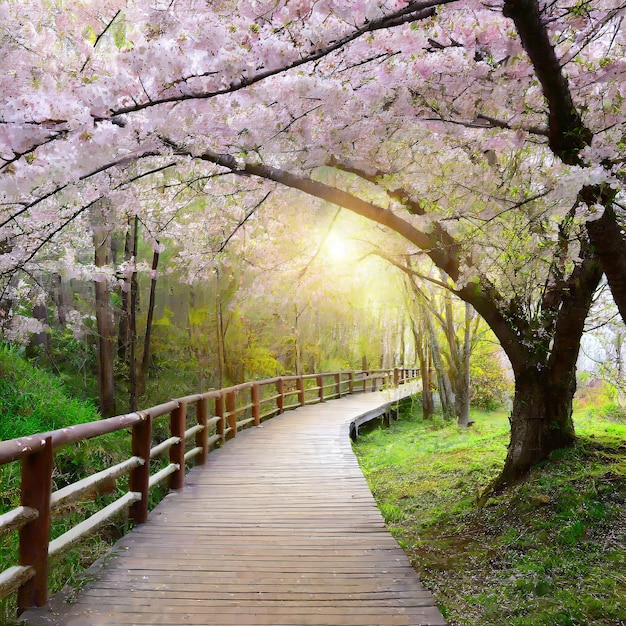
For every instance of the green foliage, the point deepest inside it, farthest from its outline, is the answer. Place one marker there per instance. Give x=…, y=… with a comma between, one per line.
x=490, y=387
x=73, y=361
x=549, y=551
x=32, y=400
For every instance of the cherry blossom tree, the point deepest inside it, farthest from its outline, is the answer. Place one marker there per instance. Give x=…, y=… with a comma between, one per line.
x=490, y=136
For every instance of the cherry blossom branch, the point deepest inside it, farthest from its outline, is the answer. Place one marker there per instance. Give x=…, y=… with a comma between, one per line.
x=99, y=37
x=99, y=170
x=241, y=223
x=567, y=134
x=413, y=12
x=56, y=134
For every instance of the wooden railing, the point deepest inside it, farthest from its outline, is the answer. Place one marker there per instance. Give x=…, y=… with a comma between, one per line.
x=234, y=408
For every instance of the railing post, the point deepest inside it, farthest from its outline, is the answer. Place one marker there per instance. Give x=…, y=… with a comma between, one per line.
x=255, y=397
x=231, y=411
x=177, y=451
x=396, y=376
x=338, y=385
x=140, y=476
x=202, y=438
x=280, y=401
x=34, y=536
x=365, y=375
x=351, y=382
x=320, y=384
x=220, y=427
x=300, y=385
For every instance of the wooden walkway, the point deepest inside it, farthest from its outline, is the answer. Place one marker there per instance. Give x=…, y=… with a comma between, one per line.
x=279, y=528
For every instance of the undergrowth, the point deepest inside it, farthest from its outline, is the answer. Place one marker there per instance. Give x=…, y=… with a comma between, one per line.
x=33, y=401
x=549, y=551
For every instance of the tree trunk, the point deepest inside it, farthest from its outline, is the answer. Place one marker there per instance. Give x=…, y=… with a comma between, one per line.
x=133, y=391
x=443, y=381
x=40, y=312
x=104, y=321
x=219, y=327
x=421, y=349
x=123, y=336
x=145, y=360
x=463, y=387
x=541, y=420
x=59, y=296
x=609, y=243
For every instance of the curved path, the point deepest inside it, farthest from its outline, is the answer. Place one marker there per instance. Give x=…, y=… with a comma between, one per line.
x=278, y=528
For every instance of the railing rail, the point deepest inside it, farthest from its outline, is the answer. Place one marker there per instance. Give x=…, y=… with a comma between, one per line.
x=234, y=408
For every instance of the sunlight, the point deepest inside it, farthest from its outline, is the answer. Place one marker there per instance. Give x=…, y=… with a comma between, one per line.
x=336, y=247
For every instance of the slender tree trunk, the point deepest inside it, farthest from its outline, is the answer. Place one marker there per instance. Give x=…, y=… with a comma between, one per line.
x=145, y=360
x=104, y=321
x=219, y=327
x=421, y=349
x=132, y=322
x=296, y=342
x=463, y=388
x=41, y=339
x=443, y=381
x=123, y=333
x=59, y=298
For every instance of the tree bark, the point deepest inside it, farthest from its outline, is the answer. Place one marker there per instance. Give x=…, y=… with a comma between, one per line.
x=463, y=388
x=104, y=321
x=541, y=420
x=607, y=238
x=145, y=360
x=446, y=394
x=132, y=322
x=421, y=349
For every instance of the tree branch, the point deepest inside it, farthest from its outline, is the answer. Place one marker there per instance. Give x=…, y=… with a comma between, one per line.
x=567, y=135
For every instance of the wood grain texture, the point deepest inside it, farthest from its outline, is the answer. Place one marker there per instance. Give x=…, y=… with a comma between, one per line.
x=278, y=528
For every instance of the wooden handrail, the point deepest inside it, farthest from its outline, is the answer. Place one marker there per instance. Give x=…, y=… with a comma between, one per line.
x=234, y=408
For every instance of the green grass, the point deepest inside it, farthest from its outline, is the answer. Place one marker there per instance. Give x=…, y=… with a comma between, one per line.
x=549, y=551
x=32, y=401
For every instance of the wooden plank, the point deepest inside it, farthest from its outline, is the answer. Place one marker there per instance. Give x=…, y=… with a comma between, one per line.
x=87, y=527
x=16, y=518
x=14, y=577
x=278, y=528
x=74, y=491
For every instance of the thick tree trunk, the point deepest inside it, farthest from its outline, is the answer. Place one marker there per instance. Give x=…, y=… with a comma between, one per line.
x=541, y=420
x=609, y=242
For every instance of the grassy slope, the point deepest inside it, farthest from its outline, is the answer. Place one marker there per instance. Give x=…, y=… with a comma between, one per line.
x=32, y=401
x=549, y=551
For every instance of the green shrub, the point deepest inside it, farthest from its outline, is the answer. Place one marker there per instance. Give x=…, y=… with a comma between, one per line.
x=33, y=400
x=490, y=386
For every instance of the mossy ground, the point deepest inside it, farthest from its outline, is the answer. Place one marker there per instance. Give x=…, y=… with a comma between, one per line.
x=549, y=551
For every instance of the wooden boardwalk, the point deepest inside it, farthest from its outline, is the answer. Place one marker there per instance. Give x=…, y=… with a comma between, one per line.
x=278, y=528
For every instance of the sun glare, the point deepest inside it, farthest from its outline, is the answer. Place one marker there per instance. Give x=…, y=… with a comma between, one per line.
x=337, y=248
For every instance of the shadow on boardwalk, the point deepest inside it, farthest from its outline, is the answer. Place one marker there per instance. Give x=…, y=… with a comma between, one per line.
x=278, y=528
